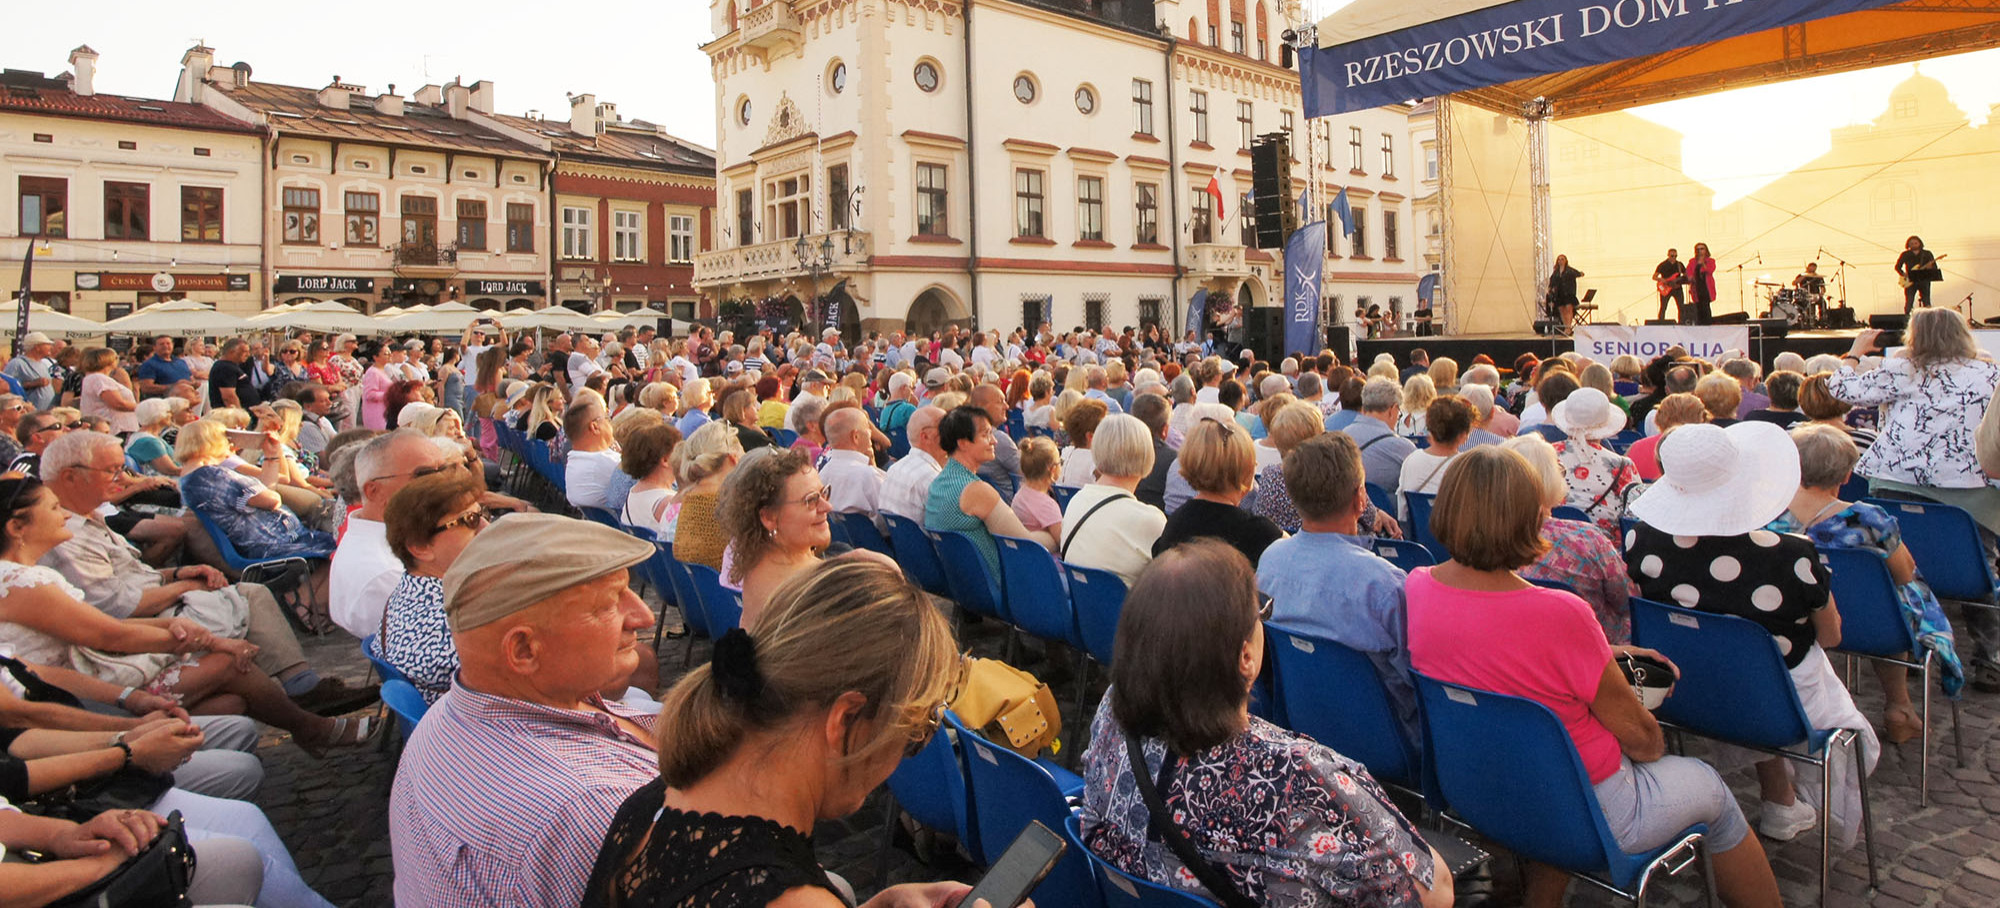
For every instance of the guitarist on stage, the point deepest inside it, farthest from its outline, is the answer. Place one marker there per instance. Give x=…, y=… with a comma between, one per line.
x=1668, y=278
x=1916, y=269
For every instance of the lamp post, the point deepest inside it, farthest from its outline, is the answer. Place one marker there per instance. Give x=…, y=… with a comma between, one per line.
x=815, y=262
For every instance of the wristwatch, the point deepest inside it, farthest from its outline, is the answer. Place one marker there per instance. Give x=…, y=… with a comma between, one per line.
x=123, y=695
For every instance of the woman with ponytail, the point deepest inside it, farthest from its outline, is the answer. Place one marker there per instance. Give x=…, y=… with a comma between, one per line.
x=848, y=672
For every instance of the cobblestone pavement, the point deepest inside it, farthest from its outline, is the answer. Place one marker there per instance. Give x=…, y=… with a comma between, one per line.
x=333, y=814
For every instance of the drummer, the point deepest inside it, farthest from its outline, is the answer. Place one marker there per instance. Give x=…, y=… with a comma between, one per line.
x=1811, y=281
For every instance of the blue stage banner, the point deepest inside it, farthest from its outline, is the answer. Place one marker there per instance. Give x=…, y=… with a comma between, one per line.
x=1196, y=316
x=1527, y=38
x=1305, y=257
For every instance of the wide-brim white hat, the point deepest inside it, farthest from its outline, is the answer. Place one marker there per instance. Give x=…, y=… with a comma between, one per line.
x=1587, y=413
x=1721, y=482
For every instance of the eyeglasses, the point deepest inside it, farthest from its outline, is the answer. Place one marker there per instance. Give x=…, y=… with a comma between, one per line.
x=935, y=717
x=825, y=493
x=1264, y=606
x=475, y=520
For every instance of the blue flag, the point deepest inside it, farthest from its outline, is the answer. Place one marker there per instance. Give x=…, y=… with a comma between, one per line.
x=1427, y=287
x=1197, y=314
x=1343, y=211
x=1305, y=257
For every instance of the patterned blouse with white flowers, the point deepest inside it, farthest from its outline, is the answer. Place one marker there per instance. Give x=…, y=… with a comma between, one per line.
x=1926, y=439
x=1598, y=479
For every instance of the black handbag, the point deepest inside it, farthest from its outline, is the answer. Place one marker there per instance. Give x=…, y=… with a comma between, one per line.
x=130, y=788
x=156, y=877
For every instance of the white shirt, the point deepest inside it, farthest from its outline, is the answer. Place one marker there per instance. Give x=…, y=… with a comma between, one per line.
x=1120, y=535
x=950, y=359
x=1079, y=467
x=1267, y=454
x=587, y=473
x=855, y=481
x=581, y=368
x=641, y=354
x=472, y=353
x=1422, y=472
x=364, y=573
x=984, y=356
x=687, y=369
x=1210, y=395
x=907, y=486
x=908, y=352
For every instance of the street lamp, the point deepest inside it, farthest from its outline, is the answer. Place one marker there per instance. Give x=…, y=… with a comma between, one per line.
x=815, y=263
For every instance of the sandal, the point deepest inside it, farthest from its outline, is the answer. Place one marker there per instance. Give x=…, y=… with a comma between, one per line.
x=350, y=731
x=1903, y=724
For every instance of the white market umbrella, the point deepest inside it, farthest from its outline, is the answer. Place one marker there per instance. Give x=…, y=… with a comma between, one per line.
x=185, y=318
x=444, y=318
x=633, y=319
x=554, y=318
x=281, y=309
x=46, y=320
x=325, y=316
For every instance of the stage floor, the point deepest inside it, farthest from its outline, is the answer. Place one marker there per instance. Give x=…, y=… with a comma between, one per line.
x=1504, y=348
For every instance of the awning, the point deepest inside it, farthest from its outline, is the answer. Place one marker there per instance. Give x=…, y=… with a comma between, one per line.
x=1589, y=58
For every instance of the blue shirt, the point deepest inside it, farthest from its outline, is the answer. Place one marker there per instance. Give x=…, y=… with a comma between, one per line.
x=690, y=421
x=1341, y=419
x=1383, y=460
x=1109, y=401
x=1336, y=587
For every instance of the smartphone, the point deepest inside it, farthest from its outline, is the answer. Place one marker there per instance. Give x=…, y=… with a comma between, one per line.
x=1020, y=869
x=243, y=438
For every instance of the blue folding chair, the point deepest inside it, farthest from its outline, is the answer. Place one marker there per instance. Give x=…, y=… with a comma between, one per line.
x=1062, y=494
x=1403, y=553
x=371, y=649
x=723, y=607
x=973, y=584
x=272, y=572
x=685, y=594
x=1952, y=558
x=784, y=437
x=1854, y=489
x=1625, y=527
x=408, y=705
x=1333, y=694
x=1873, y=626
x=1098, y=597
x=862, y=533
x=1383, y=499
x=1567, y=512
x=930, y=787
x=1734, y=688
x=1553, y=585
x=1510, y=770
x=1006, y=791
x=917, y=554
x=1038, y=599
x=1118, y=889
x=601, y=516
x=1419, y=528
x=1016, y=421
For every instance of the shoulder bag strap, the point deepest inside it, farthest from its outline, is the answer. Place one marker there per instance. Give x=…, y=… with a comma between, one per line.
x=1384, y=437
x=1161, y=823
x=1071, y=536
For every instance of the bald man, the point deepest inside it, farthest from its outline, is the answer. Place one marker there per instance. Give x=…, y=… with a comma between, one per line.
x=850, y=469
x=908, y=484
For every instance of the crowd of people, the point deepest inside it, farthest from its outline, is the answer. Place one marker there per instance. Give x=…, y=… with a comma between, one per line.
x=554, y=767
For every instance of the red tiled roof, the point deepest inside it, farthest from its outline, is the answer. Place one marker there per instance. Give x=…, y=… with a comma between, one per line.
x=297, y=111
x=22, y=91
x=627, y=146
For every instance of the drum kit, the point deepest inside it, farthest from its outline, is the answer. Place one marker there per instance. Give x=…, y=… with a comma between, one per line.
x=1803, y=306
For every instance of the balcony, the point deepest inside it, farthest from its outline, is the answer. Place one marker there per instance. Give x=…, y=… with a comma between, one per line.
x=426, y=260
x=771, y=30
x=779, y=260
x=1207, y=260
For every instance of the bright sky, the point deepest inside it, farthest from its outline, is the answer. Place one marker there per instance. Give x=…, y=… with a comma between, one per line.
x=643, y=56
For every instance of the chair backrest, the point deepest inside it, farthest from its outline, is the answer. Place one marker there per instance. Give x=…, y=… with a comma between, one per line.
x=1567, y=512
x=1951, y=556
x=1554, y=585
x=1625, y=527
x=1419, y=528
x=1118, y=889
x=1016, y=419
x=1508, y=767
x=1871, y=614
x=1006, y=791
x=1383, y=499
x=1332, y=693
x=1733, y=685
x=917, y=554
x=973, y=585
x=685, y=595
x=1037, y=597
x=230, y=556
x=862, y=533
x=408, y=705
x=931, y=788
x=1854, y=489
x=1403, y=553
x=1099, y=598
x=722, y=607
x=371, y=647
x=784, y=437
x=654, y=569
x=1062, y=494
x=600, y=515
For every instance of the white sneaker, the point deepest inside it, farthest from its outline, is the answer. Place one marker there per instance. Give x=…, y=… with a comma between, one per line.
x=1782, y=823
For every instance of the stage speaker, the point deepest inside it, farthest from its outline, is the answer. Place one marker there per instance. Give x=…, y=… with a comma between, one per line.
x=1661, y=321
x=1888, y=322
x=1730, y=318
x=1769, y=328
x=1276, y=214
x=1264, y=332
x=1547, y=327
x=1839, y=317
x=1339, y=339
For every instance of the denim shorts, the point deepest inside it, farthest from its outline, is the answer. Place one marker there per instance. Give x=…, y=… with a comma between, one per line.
x=1648, y=804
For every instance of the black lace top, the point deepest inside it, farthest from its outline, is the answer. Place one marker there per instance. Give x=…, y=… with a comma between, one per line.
x=657, y=857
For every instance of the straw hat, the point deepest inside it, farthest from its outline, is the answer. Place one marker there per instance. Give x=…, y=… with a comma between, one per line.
x=1721, y=482
x=1587, y=413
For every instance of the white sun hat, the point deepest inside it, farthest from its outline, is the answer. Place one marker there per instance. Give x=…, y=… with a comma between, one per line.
x=1587, y=413
x=1721, y=482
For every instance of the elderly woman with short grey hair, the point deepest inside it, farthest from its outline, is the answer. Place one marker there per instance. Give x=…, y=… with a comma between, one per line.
x=1122, y=529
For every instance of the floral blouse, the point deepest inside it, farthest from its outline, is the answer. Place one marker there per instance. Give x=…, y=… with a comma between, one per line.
x=1288, y=820
x=1926, y=438
x=415, y=639
x=1598, y=479
x=1274, y=500
x=1582, y=556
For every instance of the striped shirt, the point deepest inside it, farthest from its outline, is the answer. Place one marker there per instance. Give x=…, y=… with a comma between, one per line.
x=506, y=802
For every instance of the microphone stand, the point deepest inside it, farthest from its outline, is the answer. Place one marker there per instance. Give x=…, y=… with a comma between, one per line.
x=1759, y=258
x=1841, y=267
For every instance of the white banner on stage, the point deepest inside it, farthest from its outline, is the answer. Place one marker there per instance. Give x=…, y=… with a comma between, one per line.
x=1603, y=343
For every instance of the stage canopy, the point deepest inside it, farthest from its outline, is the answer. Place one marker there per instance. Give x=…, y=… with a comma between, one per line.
x=1592, y=57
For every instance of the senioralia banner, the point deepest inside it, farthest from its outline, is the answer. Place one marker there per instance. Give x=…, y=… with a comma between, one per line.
x=1603, y=343
x=1508, y=41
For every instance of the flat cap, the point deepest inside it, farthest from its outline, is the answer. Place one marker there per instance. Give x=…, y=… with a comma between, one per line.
x=523, y=559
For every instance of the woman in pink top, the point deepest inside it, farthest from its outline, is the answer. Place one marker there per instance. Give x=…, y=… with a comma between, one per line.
x=375, y=384
x=1674, y=410
x=1473, y=621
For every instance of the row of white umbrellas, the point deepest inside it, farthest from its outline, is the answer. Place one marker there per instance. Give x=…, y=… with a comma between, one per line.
x=188, y=318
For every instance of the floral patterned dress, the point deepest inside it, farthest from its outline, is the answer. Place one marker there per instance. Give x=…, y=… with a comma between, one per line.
x=1288, y=820
x=1865, y=526
x=1598, y=479
x=1581, y=556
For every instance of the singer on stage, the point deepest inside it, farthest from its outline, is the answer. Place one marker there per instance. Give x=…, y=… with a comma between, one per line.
x=1917, y=268
x=1562, y=292
x=1701, y=281
x=1668, y=278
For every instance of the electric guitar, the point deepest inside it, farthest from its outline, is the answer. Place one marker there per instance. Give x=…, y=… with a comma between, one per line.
x=1931, y=272
x=1667, y=285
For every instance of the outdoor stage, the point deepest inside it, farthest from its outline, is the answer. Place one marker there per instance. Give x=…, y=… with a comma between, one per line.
x=1503, y=348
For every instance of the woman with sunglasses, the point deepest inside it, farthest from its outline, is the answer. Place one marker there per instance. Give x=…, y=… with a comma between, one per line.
x=429, y=522
x=847, y=673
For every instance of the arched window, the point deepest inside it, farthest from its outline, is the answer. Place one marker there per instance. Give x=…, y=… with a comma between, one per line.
x=1262, y=35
